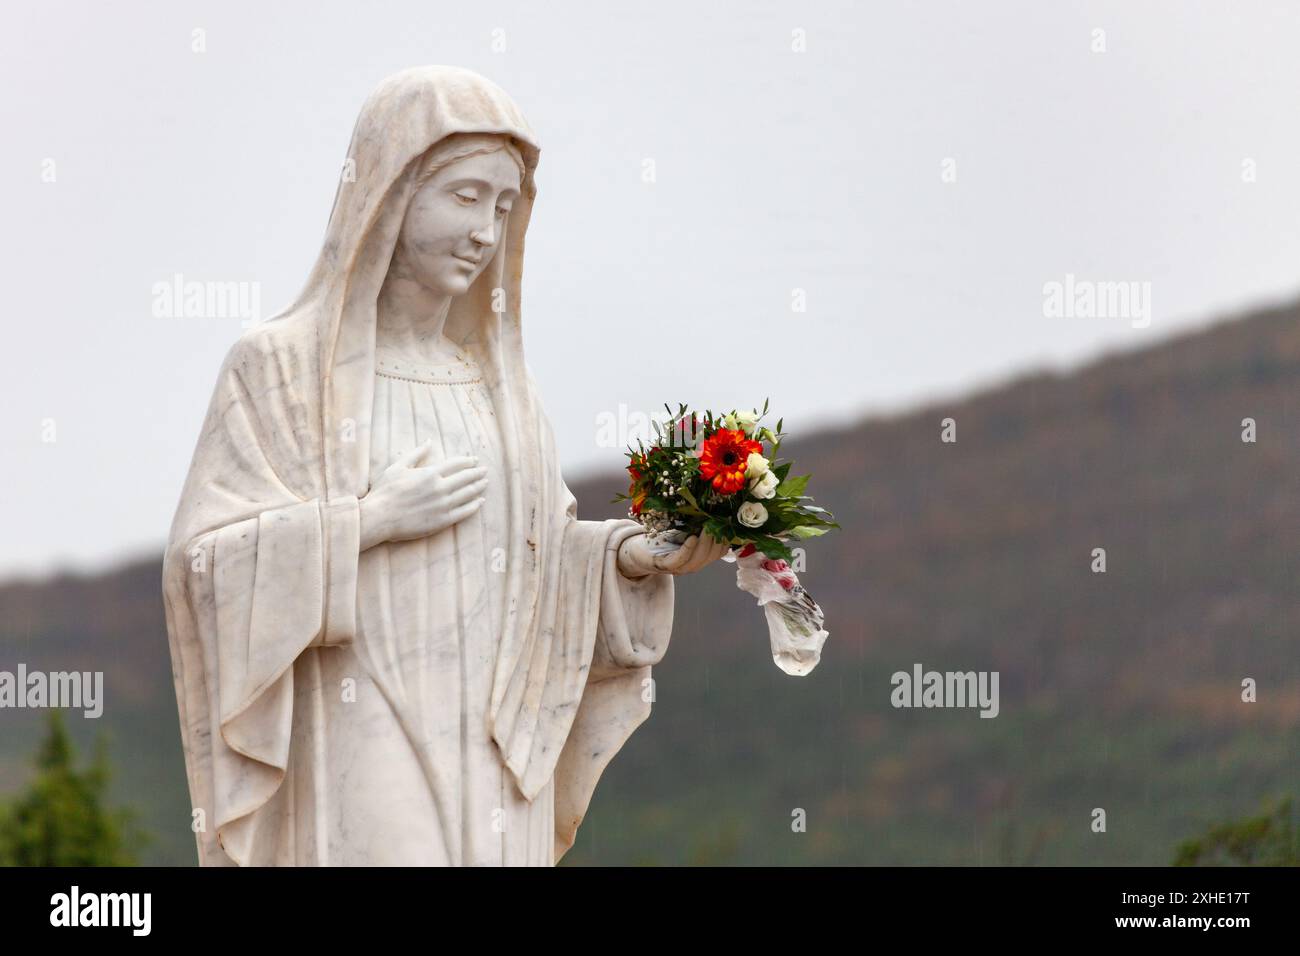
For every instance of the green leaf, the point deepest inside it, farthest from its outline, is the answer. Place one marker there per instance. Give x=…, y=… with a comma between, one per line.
x=793, y=487
x=773, y=548
x=719, y=528
x=813, y=521
x=807, y=531
x=692, y=507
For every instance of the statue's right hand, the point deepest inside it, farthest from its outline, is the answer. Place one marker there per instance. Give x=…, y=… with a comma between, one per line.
x=412, y=499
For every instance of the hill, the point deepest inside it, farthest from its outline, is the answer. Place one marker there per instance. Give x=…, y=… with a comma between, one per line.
x=1119, y=690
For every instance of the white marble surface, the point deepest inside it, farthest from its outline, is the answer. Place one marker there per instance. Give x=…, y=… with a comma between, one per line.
x=427, y=663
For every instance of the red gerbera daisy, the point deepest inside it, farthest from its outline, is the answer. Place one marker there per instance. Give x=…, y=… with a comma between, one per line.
x=723, y=458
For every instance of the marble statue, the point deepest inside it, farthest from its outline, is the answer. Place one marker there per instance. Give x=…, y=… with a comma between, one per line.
x=393, y=641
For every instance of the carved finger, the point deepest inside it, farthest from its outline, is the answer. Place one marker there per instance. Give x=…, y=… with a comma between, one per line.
x=467, y=493
x=422, y=453
x=705, y=554
x=701, y=556
x=452, y=465
x=465, y=477
x=461, y=512
x=672, y=563
x=411, y=457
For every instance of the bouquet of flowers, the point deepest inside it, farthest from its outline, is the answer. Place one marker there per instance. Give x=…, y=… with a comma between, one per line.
x=709, y=475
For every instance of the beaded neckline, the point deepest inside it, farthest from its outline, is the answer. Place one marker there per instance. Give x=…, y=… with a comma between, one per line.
x=461, y=372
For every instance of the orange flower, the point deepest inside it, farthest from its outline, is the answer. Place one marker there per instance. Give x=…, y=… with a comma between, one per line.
x=723, y=459
x=634, y=469
x=640, y=463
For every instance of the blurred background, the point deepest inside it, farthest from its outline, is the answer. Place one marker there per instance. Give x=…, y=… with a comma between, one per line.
x=870, y=216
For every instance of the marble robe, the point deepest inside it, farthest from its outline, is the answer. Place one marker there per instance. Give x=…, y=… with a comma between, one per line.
x=389, y=758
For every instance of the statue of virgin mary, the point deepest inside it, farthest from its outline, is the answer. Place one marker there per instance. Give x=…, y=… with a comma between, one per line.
x=393, y=641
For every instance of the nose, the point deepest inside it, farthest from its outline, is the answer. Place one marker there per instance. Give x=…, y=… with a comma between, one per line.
x=484, y=235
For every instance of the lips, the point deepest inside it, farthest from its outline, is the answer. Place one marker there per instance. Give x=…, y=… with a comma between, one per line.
x=472, y=262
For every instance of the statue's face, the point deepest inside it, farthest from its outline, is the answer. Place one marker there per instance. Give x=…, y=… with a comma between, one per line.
x=456, y=220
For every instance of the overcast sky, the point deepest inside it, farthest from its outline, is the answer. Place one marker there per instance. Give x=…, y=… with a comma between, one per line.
x=920, y=170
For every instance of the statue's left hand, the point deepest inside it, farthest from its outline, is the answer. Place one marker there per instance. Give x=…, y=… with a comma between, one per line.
x=697, y=551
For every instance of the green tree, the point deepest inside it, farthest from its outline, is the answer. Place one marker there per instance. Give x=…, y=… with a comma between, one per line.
x=62, y=819
x=1269, y=839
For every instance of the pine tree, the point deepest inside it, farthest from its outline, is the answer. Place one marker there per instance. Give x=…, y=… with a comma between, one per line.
x=1270, y=839
x=62, y=819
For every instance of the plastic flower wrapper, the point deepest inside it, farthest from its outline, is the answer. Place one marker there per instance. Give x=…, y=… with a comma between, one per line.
x=710, y=476
x=794, y=620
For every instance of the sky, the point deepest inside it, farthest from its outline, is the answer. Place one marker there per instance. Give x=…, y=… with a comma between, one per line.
x=843, y=208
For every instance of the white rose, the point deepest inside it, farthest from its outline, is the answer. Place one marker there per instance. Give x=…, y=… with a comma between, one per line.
x=765, y=487
x=752, y=514
x=756, y=465
x=746, y=420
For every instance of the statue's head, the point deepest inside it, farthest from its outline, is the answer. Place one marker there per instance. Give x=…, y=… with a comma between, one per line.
x=457, y=215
